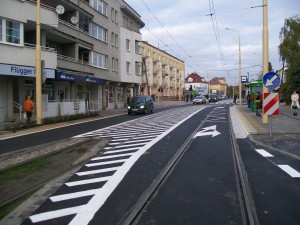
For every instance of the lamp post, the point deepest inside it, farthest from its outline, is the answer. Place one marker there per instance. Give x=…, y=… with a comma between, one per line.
x=265, y=52
x=38, y=70
x=240, y=67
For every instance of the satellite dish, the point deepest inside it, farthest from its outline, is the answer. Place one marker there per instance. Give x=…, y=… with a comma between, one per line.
x=74, y=20
x=60, y=9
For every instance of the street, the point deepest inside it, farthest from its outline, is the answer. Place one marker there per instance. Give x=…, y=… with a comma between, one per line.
x=175, y=166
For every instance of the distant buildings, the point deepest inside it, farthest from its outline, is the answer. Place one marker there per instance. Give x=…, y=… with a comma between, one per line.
x=196, y=82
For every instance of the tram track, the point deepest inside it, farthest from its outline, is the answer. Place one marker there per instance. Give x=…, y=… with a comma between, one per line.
x=249, y=216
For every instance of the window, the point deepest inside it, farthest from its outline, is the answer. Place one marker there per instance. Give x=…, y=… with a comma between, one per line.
x=137, y=47
x=99, y=32
x=116, y=16
x=99, y=60
x=138, y=68
x=128, y=67
x=0, y=29
x=115, y=64
x=113, y=43
x=84, y=21
x=116, y=40
x=127, y=44
x=113, y=14
x=11, y=31
x=100, y=6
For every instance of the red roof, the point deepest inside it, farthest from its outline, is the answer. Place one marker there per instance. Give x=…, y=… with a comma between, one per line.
x=216, y=80
x=195, y=78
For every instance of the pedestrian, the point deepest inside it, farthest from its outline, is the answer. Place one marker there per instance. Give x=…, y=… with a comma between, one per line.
x=248, y=99
x=28, y=108
x=258, y=103
x=234, y=99
x=295, y=102
x=186, y=97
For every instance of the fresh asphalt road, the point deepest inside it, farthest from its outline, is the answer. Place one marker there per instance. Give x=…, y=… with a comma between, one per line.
x=57, y=134
x=275, y=183
x=106, y=189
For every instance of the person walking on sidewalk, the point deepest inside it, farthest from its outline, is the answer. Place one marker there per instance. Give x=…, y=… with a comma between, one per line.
x=295, y=102
x=248, y=99
x=28, y=108
x=258, y=103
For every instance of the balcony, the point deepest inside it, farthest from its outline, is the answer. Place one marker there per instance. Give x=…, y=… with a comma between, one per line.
x=26, y=55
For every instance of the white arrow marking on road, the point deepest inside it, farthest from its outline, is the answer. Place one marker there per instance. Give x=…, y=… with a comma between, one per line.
x=206, y=132
x=270, y=82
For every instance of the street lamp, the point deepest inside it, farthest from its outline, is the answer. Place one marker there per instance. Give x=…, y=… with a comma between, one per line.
x=240, y=67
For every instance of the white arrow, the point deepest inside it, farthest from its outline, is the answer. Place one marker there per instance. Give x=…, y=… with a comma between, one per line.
x=270, y=82
x=206, y=132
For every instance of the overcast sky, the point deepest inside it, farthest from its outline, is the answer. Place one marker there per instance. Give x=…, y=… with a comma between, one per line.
x=185, y=29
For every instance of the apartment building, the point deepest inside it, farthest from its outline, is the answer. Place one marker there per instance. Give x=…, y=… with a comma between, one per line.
x=89, y=51
x=162, y=73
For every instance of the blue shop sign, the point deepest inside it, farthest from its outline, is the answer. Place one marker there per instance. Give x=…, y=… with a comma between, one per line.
x=78, y=78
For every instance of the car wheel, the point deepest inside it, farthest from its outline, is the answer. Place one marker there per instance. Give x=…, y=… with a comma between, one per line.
x=129, y=113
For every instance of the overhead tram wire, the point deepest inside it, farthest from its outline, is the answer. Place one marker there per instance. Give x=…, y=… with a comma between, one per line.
x=184, y=51
x=216, y=30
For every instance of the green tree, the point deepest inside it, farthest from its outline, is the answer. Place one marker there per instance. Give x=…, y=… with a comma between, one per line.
x=289, y=51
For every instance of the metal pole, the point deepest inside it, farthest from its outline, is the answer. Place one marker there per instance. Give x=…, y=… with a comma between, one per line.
x=38, y=77
x=265, y=51
x=240, y=71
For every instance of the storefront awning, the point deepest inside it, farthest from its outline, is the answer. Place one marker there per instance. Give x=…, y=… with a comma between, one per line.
x=61, y=75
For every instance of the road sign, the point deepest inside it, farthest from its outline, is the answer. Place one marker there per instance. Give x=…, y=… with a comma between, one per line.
x=271, y=104
x=271, y=80
x=244, y=80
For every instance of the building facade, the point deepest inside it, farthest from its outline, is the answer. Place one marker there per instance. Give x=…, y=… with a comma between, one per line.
x=86, y=63
x=195, y=82
x=218, y=85
x=162, y=74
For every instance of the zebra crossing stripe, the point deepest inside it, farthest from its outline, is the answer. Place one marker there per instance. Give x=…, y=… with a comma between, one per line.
x=105, y=163
x=90, y=172
x=87, y=181
x=59, y=198
x=111, y=156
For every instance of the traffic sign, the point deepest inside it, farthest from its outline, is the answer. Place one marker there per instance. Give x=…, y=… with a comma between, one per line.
x=271, y=104
x=244, y=79
x=271, y=80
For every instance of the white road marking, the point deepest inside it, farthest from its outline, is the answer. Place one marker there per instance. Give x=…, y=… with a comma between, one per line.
x=90, y=172
x=111, y=156
x=83, y=214
x=290, y=171
x=63, y=197
x=121, y=150
x=264, y=153
x=105, y=163
x=87, y=181
x=55, y=214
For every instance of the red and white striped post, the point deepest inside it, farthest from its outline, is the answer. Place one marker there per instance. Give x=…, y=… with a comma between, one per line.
x=271, y=106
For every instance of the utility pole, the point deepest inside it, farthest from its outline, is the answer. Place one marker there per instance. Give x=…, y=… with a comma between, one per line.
x=38, y=70
x=265, y=51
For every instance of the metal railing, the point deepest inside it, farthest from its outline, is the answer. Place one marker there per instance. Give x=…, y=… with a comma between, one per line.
x=20, y=108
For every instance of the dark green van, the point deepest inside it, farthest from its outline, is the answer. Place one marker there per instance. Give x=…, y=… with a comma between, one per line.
x=140, y=104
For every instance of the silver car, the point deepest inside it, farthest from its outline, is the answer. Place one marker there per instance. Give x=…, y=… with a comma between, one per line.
x=199, y=100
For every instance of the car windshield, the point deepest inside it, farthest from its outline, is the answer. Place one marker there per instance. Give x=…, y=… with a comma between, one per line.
x=199, y=97
x=139, y=99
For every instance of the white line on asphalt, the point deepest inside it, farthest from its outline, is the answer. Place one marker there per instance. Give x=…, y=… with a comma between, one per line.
x=121, y=150
x=55, y=214
x=87, y=181
x=111, y=156
x=290, y=171
x=264, y=153
x=90, y=172
x=79, y=194
x=105, y=163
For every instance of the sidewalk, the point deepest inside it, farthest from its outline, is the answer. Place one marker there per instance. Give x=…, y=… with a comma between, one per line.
x=282, y=132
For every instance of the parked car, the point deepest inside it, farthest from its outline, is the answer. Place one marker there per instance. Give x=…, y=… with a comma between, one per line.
x=140, y=105
x=213, y=98
x=199, y=100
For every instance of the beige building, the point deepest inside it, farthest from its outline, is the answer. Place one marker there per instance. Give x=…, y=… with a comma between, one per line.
x=162, y=73
x=218, y=85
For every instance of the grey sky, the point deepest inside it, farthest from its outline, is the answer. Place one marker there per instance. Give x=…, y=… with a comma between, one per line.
x=202, y=41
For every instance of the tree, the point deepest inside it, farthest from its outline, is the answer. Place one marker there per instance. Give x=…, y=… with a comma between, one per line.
x=289, y=51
